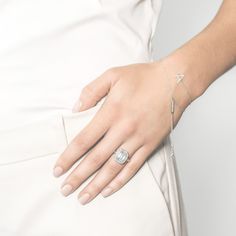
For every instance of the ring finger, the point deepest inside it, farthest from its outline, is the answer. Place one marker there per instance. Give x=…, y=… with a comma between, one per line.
x=127, y=172
x=108, y=171
x=94, y=159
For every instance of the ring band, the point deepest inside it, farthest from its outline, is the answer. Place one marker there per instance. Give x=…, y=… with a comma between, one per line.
x=121, y=156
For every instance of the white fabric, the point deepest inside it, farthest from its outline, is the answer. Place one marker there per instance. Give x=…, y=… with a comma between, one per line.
x=32, y=205
x=50, y=49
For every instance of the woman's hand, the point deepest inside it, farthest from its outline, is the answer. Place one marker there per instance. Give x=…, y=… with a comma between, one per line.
x=135, y=116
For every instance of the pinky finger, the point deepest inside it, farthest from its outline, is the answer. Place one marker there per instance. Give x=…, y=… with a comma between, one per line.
x=127, y=172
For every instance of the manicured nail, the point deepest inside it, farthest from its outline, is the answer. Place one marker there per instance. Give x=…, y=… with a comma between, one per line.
x=84, y=198
x=66, y=189
x=77, y=106
x=57, y=171
x=106, y=192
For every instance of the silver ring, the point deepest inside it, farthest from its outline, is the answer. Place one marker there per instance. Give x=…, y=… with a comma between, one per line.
x=121, y=156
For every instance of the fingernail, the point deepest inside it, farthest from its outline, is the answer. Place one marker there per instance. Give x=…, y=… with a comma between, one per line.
x=84, y=198
x=106, y=192
x=77, y=106
x=66, y=189
x=57, y=171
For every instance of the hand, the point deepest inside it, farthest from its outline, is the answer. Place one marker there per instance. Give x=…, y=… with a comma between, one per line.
x=134, y=116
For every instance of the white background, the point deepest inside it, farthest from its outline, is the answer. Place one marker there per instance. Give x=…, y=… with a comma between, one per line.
x=205, y=137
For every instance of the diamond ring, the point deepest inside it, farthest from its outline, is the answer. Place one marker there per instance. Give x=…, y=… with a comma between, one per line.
x=121, y=156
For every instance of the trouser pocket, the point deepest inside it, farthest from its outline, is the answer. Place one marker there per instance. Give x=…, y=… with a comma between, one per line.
x=31, y=205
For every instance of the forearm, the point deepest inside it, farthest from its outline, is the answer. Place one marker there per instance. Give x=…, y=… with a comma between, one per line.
x=209, y=54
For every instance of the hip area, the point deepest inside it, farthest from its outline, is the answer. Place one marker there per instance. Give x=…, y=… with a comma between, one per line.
x=31, y=200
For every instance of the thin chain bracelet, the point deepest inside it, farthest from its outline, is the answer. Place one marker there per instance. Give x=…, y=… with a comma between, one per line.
x=179, y=78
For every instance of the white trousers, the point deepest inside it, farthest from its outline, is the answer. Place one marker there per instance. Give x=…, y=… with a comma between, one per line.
x=31, y=203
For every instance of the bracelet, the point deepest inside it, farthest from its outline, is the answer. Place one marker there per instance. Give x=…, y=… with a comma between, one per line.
x=179, y=80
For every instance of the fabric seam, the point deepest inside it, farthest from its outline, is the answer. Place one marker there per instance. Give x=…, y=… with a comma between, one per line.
x=26, y=159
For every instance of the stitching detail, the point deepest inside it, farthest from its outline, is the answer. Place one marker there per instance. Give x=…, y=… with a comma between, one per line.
x=166, y=141
x=158, y=186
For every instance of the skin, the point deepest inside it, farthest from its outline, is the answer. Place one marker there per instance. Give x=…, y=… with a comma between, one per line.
x=121, y=123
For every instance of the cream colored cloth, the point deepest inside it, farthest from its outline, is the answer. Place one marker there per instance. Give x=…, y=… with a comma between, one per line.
x=31, y=203
x=50, y=49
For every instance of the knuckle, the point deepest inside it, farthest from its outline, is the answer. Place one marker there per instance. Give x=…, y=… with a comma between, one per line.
x=136, y=120
x=132, y=168
x=113, y=168
x=95, y=161
x=95, y=188
x=129, y=128
x=81, y=144
x=74, y=179
x=115, y=102
x=118, y=182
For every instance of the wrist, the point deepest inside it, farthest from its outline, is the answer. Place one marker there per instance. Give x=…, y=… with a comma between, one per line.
x=177, y=88
x=176, y=63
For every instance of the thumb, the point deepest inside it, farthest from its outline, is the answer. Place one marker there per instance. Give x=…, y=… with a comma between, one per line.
x=94, y=91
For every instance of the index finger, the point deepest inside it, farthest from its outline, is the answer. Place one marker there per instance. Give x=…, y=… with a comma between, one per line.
x=83, y=141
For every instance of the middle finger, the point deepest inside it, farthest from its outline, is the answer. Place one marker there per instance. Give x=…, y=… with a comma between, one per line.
x=107, y=173
x=93, y=160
